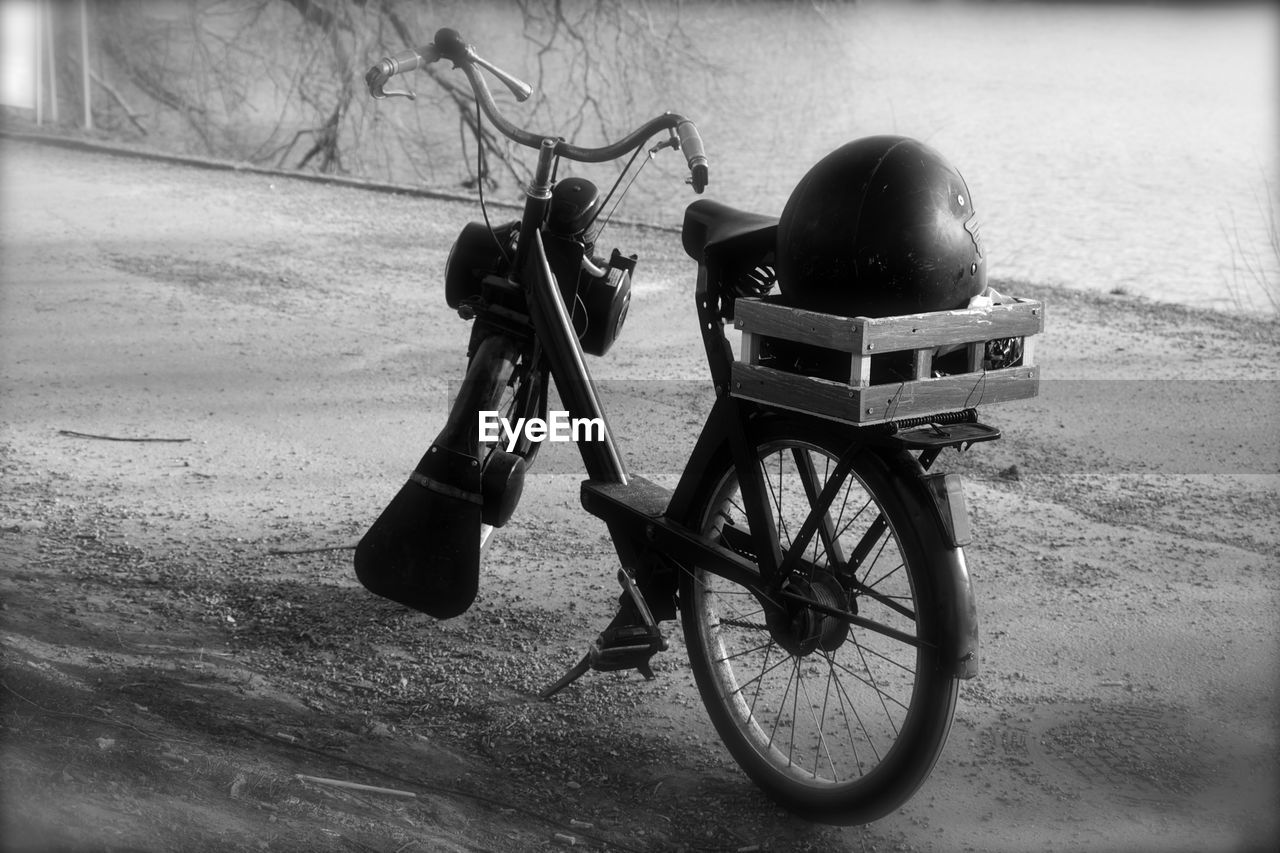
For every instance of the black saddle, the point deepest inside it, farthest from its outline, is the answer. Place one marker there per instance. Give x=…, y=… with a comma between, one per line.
x=715, y=229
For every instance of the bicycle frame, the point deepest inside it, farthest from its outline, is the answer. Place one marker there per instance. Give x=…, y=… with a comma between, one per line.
x=554, y=328
x=644, y=520
x=651, y=529
x=769, y=587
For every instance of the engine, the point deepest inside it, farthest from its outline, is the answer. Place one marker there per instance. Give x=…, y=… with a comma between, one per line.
x=596, y=291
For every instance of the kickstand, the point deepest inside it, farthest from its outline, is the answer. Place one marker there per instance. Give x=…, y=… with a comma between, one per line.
x=623, y=644
x=575, y=672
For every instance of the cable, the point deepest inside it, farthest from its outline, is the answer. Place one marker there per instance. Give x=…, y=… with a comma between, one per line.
x=613, y=190
x=480, y=173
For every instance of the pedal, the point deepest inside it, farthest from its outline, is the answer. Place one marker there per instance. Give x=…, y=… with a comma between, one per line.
x=629, y=647
x=621, y=645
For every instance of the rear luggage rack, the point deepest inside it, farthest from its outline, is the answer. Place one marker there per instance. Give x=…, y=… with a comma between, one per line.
x=878, y=370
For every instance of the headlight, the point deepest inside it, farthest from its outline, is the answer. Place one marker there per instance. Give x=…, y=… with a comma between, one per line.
x=476, y=253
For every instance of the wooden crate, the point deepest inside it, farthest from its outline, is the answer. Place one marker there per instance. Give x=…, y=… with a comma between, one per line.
x=858, y=401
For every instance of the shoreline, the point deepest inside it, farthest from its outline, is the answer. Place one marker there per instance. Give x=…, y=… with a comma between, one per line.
x=78, y=141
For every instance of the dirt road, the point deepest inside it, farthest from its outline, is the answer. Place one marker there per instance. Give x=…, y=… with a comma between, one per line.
x=180, y=663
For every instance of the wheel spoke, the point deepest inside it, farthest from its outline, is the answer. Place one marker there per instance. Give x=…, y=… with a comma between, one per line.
x=822, y=740
x=854, y=518
x=888, y=574
x=887, y=659
x=880, y=692
x=795, y=700
x=764, y=671
x=777, y=719
x=853, y=708
x=745, y=652
x=755, y=698
x=821, y=744
x=776, y=494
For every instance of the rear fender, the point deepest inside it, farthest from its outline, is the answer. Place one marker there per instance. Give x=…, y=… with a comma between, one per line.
x=940, y=497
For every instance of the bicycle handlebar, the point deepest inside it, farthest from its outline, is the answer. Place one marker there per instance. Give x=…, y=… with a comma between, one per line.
x=449, y=45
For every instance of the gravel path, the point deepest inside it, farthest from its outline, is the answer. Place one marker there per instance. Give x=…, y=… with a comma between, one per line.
x=183, y=638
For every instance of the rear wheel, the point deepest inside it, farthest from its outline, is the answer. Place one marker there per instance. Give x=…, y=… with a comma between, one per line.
x=838, y=720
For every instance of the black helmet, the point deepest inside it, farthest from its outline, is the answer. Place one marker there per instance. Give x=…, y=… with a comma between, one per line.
x=880, y=226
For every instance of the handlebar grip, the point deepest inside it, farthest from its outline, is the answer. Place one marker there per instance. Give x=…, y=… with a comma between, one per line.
x=405, y=60
x=377, y=77
x=694, y=153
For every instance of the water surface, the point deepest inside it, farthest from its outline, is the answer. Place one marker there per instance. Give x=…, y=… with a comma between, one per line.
x=1107, y=147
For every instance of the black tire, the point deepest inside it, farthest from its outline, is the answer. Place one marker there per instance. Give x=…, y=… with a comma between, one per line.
x=511, y=385
x=844, y=726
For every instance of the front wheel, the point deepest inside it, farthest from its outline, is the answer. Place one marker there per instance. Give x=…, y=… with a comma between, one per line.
x=840, y=721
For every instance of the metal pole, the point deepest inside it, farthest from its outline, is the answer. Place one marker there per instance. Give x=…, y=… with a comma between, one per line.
x=39, y=62
x=51, y=62
x=84, y=64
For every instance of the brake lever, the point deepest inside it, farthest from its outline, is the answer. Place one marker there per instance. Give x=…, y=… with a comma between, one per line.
x=396, y=93
x=672, y=142
x=377, y=77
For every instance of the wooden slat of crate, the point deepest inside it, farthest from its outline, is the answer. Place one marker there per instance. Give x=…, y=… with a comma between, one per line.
x=772, y=320
x=878, y=403
x=866, y=335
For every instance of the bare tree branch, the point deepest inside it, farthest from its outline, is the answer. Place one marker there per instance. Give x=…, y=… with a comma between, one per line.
x=279, y=81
